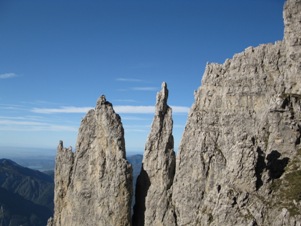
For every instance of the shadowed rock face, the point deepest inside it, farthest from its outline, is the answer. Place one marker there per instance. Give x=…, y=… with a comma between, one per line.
x=153, y=194
x=94, y=184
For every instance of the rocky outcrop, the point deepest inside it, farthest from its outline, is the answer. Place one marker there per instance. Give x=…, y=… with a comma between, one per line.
x=239, y=158
x=239, y=161
x=93, y=186
x=153, y=194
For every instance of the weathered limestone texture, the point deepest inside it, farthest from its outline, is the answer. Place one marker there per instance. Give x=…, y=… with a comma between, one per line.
x=93, y=186
x=153, y=194
x=239, y=161
x=239, y=158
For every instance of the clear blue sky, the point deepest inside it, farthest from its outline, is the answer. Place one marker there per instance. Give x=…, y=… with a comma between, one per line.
x=58, y=56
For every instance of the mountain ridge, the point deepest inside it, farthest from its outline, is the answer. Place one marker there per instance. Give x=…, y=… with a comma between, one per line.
x=26, y=195
x=239, y=155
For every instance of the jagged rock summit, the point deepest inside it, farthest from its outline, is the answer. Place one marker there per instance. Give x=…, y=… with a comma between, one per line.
x=153, y=194
x=239, y=158
x=239, y=161
x=93, y=186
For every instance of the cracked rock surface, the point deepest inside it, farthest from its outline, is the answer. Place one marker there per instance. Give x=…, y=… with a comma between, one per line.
x=239, y=158
x=239, y=161
x=93, y=186
x=153, y=193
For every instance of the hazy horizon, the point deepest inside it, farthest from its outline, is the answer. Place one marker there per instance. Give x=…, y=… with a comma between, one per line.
x=35, y=152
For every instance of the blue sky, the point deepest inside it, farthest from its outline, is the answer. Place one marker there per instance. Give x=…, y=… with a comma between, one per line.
x=57, y=57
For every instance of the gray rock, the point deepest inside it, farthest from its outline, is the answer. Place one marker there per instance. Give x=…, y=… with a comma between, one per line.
x=239, y=161
x=93, y=186
x=153, y=199
x=239, y=158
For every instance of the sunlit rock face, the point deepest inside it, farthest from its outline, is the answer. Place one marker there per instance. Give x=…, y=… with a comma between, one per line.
x=239, y=161
x=239, y=158
x=93, y=186
x=153, y=193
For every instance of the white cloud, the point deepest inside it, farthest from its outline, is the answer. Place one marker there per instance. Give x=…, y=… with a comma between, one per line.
x=7, y=75
x=128, y=109
x=128, y=80
x=23, y=123
x=16, y=119
x=12, y=107
x=180, y=109
x=146, y=88
x=70, y=109
x=120, y=109
x=17, y=125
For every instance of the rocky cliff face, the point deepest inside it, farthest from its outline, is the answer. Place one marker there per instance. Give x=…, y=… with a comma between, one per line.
x=239, y=158
x=238, y=161
x=153, y=194
x=93, y=186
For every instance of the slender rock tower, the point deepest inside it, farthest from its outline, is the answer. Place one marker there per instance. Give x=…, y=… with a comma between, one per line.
x=239, y=161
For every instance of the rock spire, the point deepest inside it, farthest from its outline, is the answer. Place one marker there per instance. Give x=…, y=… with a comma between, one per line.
x=93, y=186
x=153, y=194
x=239, y=161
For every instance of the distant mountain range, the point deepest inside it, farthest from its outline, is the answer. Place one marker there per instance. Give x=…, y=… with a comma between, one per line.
x=136, y=161
x=15, y=210
x=26, y=195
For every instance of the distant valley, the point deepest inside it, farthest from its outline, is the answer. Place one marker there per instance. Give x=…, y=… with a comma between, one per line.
x=27, y=188
x=26, y=195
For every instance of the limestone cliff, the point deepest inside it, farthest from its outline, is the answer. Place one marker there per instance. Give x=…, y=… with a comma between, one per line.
x=239, y=158
x=153, y=195
x=93, y=186
x=239, y=161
